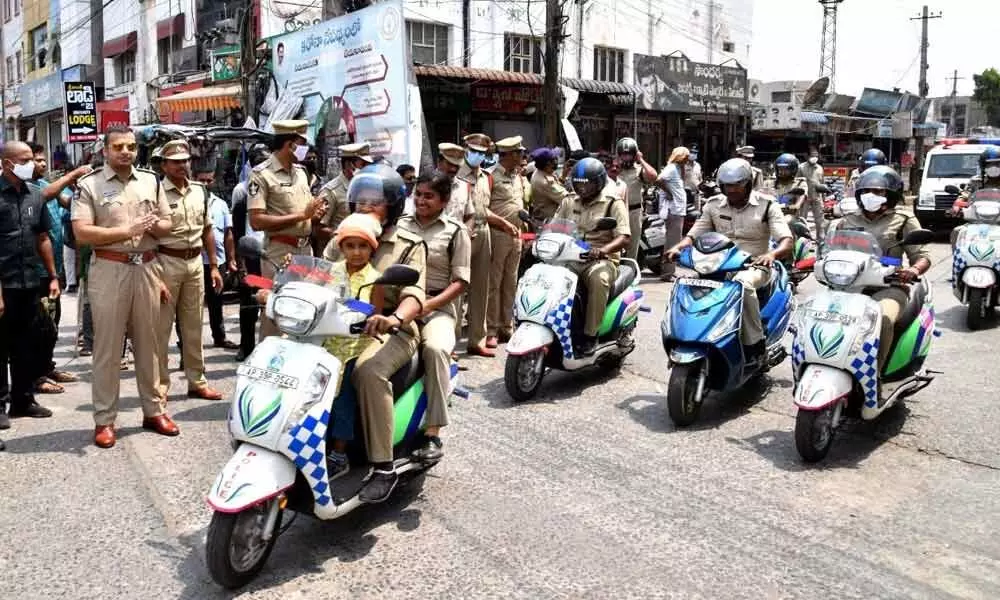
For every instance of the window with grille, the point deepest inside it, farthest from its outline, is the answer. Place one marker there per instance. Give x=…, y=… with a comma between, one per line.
x=781, y=96
x=522, y=54
x=125, y=67
x=7, y=10
x=609, y=64
x=39, y=47
x=10, y=70
x=19, y=65
x=428, y=42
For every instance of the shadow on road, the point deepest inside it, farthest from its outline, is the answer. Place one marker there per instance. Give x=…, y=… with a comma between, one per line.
x=69, y=441
x=303, y=548
x=556, y=386
x=953, y=318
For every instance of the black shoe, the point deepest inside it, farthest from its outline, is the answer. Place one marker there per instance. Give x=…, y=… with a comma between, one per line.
x=227, y=345
x=378, y=486
x=4, y=419
x=72, y=289
x=3, y=446
x=337, y=465
x=33, y=410
x=756, y=354
x=430, y=451
x=587, y=346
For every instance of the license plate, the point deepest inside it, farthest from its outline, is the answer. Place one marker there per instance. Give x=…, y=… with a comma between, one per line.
x=823, y=315
x=268, y=376
x=706, y=283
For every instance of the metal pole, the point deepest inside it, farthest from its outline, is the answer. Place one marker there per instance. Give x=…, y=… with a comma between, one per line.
x=551, y=94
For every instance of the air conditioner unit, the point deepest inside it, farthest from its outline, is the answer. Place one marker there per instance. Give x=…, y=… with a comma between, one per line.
x=755, y=91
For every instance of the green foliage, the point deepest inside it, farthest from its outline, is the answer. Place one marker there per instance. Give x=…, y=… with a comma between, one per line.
x=988, y=94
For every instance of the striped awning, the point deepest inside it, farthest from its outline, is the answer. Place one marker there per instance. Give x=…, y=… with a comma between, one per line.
x=816, y=118
x=208, y=98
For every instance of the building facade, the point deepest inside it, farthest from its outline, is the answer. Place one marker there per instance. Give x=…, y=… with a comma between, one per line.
x=968, y=114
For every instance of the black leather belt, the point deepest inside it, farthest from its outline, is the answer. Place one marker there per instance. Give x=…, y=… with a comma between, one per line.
x=636, y=207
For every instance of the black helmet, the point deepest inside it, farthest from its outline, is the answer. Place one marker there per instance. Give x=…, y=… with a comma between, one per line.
x=258, y=154
x=872, y=158
x=376, y=185
x=786, y=165
x=881, y=177
x=990, y=155
x=627, y=145
x=588, y=178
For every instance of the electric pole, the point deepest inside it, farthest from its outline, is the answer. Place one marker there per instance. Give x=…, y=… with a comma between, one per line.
x=924, y=16
x=828, y=44
x=551, y=94
x=954, y=93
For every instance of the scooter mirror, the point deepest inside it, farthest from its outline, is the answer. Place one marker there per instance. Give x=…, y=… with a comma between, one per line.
x=822, y=188
x=250, y=247
x=953, y=190
x=918, y=236
x=606, y=224
x=399, y=275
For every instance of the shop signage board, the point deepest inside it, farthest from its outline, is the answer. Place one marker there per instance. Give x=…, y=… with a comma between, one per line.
x=676, y=84
x=349, y=75
x=510, y=99
x=225, y=63
x=80, y=102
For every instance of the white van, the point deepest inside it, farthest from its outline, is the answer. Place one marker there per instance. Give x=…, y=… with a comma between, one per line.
x=945, y=165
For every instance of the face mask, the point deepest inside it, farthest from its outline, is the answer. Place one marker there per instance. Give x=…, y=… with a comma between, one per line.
x=872, y=202
x=813, y=160
x=474, y=158
x=993, y=172
x=300, y=152
x=25, y=172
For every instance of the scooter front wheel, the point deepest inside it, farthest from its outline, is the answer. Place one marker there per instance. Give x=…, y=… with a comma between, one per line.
x=683, y=396
x=814, y=433
x=238, y=545
x=978, y=309
x=522, y=375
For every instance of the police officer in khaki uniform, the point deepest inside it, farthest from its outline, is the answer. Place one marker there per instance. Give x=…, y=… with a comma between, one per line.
x=547, y=193
x=747, y=153
x=182, y=270
x=593, y=201
x=451, y=157
x=448, y=257
x=507, y=201
x=353, y=157
x=476, y=147
x=634, y=172
x=120, y=211
x=280, y=204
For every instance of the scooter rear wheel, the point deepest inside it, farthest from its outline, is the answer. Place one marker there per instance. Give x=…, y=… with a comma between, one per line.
x=683, y=403
x=522, y=375
x=236, y=550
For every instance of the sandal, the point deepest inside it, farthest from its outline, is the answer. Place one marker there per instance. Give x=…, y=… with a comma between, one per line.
x=63, y=377
x=47, y=386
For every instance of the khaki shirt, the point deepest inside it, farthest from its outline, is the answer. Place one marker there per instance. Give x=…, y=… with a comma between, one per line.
x=107, y=201
x=189, y=216
x=394, y=244
x=889, y=228
x=459, y=205
x=632, y=177
x=747, y=227
x=508, y=195
x=277, y=191
x=335, y=195
x=813, y=175
x=586, y=216
x=780, y=189
x=449, y=252
x=547, y=194
x=479, y=192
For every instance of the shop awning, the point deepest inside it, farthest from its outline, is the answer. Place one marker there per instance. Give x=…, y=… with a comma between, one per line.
x=497, y=75
x=815, y=118
x=208, y=98
x=119, y=45
x=170, y=26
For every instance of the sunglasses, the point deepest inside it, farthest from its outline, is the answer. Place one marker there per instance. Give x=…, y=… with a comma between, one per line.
x=124, y=146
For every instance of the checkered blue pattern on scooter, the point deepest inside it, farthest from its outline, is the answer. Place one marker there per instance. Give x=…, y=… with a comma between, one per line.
x=798, y=356
x=957, y=266
x=559, y=319
x=307, y=449
x=865, y=370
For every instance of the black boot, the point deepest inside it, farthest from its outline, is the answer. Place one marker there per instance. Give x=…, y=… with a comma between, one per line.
x=379, y=484
x=4, y=419
x=756, y=355
x=587, y=346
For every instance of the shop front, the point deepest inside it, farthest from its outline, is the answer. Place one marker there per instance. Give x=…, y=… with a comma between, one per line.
x=113, y=113
x=42, y=116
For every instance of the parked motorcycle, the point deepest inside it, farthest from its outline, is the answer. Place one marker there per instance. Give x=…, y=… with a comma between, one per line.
x=549, y=308
x=975, y=261
x=281, y=412
x=653, y=235
x=836, y=340
x=701, y=328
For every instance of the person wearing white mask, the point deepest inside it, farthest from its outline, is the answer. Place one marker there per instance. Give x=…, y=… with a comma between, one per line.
x=878, y=191
x=813, y=203
x=988, y=178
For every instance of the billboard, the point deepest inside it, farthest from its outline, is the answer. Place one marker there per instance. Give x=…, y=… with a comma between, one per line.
x=278, y=17
x=348, y=78
x=676, y=84
x=81, y=111
x=878, y=102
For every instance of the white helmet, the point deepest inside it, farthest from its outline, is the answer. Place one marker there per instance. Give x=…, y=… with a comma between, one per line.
x=733, y=171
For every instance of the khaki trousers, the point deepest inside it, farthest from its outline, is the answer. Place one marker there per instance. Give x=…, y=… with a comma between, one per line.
x=635, y=224
x=185, y=279
x=479, y=286
x=751, y=330
x=438, y=340
x=815, y=206
x=506, y=251
x=375, y=395
x=276, y=253
x=124, y=299
x=673, y=230
x=893, y=301
x=597, y=276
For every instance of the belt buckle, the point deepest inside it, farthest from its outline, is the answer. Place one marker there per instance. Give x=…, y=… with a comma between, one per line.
x=135, y=258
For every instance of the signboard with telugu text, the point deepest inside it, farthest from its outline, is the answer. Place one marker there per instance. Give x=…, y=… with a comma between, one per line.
x=81, y=111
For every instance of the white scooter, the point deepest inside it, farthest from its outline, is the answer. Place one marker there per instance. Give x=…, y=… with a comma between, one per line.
x=837, y=335
x=549, y=308
x=975, y=261
x=283, y=407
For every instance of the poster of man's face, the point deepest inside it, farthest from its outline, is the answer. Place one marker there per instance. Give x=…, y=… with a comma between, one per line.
x=281, y=53
x=650, y=75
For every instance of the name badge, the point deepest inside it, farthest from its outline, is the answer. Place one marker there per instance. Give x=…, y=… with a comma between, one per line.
x=287, y=184
x=725, y=217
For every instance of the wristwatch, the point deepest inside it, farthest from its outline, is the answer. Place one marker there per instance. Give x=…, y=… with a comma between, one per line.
x=401, y=320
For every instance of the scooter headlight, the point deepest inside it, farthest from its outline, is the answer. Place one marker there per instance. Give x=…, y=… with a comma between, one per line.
x=547, y=249
x=293, y=315
x=728, y=324
x=986, y=210
x=840, y=272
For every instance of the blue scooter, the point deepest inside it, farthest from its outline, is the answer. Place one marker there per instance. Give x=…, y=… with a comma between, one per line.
x=701, y=328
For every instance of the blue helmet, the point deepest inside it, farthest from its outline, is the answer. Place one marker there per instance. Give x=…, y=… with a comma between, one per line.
x=786, y=165
x=588, y=178
x=873, y=157
x=990, y=155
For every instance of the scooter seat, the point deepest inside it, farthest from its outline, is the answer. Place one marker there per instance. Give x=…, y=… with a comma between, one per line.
x=406, y=376
x=626, y=274
x=918, y=293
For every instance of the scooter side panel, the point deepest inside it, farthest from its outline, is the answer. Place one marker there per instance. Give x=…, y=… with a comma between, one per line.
x=545, y=296
x=622, y=311
x=914, y=343
x=410, y=409
x=252, y=475
x=821, y=385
